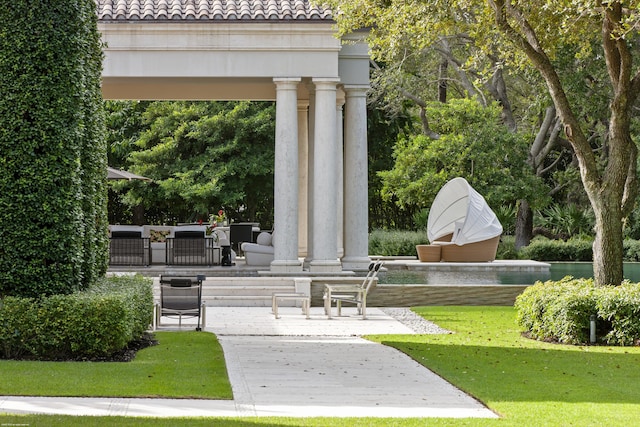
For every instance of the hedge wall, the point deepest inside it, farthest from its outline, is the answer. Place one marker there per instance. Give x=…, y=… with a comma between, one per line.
x=52, y=150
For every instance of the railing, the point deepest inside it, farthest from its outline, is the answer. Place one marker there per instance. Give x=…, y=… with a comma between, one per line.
x=129, y=251
x=192, y=251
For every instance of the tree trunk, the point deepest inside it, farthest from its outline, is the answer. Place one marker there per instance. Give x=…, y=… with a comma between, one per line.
x=607, y=246
x=442, y=81
x=613, y=190
x=138, y=215
x=524, y=224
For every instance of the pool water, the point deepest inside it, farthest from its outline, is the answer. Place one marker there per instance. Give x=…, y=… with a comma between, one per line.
x=557, y=271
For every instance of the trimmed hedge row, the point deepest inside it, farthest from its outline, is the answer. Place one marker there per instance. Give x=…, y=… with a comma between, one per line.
x=559, y=250
x=560, y=311
x=577, y=249
x=92, y=323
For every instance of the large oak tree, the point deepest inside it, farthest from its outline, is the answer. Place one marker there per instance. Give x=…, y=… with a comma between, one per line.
x=532, y=33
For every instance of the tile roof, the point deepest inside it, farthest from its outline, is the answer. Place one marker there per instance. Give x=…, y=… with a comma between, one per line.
x=210, y=10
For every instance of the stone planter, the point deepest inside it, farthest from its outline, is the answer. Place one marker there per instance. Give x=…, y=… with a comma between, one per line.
x=158, y=252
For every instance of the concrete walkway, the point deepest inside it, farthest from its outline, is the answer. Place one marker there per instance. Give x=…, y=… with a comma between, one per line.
x=295, y=367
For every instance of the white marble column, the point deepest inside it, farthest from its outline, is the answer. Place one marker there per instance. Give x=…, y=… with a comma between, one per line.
x=325, y=242
x=303, y=176
x=340, y=168
x=356, y=195
x=285, y=221
x=310, y=172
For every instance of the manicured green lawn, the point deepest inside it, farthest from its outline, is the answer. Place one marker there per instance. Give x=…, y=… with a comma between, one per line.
x=184, y=364
x=528, y=383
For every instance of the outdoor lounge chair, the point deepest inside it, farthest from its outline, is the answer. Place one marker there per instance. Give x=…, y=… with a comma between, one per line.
x=181, y=296
x=261, y=252
x=353, y=294
x=462, y=224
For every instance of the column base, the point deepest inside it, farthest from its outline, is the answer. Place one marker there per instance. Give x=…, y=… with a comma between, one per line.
x=325, y=266
x=285, y=266
x=356, y=263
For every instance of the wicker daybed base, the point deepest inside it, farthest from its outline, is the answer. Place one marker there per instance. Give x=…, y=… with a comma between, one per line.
x=483, y=251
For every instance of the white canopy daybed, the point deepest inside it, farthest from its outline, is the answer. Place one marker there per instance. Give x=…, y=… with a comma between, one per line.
x=462, y=224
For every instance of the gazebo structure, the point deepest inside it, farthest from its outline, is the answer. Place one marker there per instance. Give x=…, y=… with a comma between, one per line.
x=269, y=50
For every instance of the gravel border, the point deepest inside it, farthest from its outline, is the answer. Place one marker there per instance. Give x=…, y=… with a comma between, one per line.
x=413, y=321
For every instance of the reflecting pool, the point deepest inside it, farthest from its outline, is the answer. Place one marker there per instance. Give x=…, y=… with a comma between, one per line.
x=557, y=271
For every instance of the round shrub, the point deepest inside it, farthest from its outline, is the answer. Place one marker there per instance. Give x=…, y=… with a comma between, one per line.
x=561, y=310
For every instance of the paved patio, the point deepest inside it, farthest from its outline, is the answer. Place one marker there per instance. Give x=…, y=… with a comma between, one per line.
x=295, y=367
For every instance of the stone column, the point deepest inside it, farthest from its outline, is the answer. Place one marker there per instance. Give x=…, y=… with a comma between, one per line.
x=356, y=209
x=303, y=176
x=310, y=172
x=285, y=221
x=340, y=175
x=325, y=244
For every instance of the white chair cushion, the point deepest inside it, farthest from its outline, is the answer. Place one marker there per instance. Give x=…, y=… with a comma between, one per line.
x=264, y=239
x=256, y=248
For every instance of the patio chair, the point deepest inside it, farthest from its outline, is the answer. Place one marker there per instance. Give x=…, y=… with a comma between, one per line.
x=189, y=246
x=181, y=296
x=353, y=294
x=129, y=248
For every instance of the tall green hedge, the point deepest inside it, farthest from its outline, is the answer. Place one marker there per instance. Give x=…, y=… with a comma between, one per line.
x=52, y=150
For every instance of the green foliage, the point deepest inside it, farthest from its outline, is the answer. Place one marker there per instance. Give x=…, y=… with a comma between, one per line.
x=507, y=216
x=202, y=157
x=396, y=243
x=124, y=125
x=382, y=133
x=575, y=249
x=474, y=145
x=631, y=250
x=95, y=322
x=568, y=220
x=421, y=219
x=561, y=311
x=52, y=162
x=619, y=310
x=507, y=248
x=632, y=224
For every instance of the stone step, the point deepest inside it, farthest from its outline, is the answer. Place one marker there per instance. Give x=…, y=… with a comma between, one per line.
x=241, y=291
x=232, y=291
x=237, y=300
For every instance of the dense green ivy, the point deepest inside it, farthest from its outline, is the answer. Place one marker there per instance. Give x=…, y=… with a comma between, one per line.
x=52, y=150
